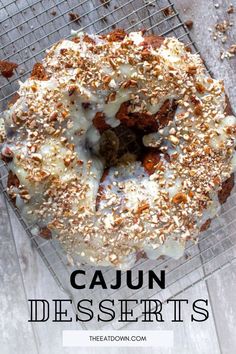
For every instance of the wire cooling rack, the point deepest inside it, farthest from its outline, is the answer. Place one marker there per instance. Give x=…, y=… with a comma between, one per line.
x=27, y=28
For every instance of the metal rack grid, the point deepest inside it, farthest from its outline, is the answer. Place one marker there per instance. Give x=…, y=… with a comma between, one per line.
x=27, y=28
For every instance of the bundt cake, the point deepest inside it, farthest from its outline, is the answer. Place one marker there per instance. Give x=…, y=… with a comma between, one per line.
x=120, y=146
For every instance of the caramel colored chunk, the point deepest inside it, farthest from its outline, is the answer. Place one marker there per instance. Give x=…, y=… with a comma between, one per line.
x=7, y=68
x=115, y=36
x=180, y=198
x=150, y=161
x=38, y=72
x=227, y=187
x=206, y=225
x=153, y=41
x=45, y=233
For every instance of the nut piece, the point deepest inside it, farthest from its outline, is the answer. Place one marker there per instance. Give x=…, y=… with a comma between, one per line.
x=53, y=117
x=180, y=198
x=142, y=207
x=231, y=9
x=189, y=24
x=40, y=176
x=151, y=161
x=45, y=233
x=173, y=139
x=72, y=90
x=37, y=157
x=39, y=73
x=25, y=195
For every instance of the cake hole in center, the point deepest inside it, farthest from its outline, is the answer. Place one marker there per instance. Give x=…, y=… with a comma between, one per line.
x=121, y=145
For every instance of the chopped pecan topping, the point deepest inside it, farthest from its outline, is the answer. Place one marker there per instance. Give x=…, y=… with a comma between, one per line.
x=151, y=161
x=200, y=88
x=72, y=90
x=116, y=36
x=129, y=83
x=206, y=225
x=69, y=159
x=111, y=97
x=146, y=55
x=231, y=130
x=40, y=176
x=39, y=73
x=192, y=70
x=180, y=198
x=53, y=117
x=142, y=207
x=153, y=41
x=88, y=39
x=37, y=157
x=198, y=110
x=24, y=194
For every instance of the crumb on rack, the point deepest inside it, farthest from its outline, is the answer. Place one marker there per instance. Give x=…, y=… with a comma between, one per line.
x=189, y=24
x=7, y=68
x=230, y=53
x=75, y=17
x=106, y=3
x=231, y=9
x=45, y=233
x=221, y=32
x=223, y=26
x=168, y=11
